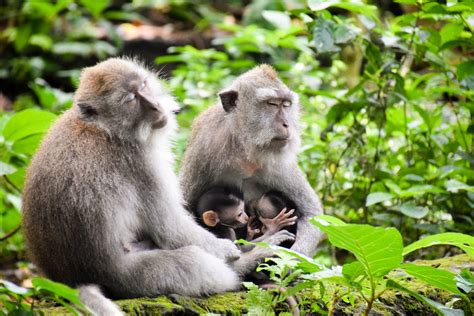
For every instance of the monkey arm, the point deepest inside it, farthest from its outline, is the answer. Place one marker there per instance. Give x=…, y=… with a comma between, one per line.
x=293, y=183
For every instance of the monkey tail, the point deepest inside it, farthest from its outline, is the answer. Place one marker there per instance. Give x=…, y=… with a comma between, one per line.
x=91, y=296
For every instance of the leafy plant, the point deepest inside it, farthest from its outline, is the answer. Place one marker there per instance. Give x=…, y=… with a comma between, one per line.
x=378, y=252
x=16, y=300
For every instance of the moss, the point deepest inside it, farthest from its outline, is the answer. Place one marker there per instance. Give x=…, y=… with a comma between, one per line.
x=312, y=300
x=148, y=306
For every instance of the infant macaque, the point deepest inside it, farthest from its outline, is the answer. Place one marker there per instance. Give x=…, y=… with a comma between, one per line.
x=222, y=210
x=273, y=212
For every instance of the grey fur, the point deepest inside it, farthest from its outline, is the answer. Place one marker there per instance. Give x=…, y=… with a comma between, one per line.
x=232, y=146
x=103, y=180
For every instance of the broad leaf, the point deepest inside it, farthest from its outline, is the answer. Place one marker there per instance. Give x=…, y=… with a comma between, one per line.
x=412, y=210
x=6, y=169
x=278, y=19
x=437, y=277
x=465, y=281
x=26, y=123
x=454, y=186
x=62, y=290
x=378, y=249
x=377, y=197
x=465, y=242
x=12, y=287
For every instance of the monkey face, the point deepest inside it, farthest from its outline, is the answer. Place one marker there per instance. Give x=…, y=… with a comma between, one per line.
x=125, y=98
x=265, y=108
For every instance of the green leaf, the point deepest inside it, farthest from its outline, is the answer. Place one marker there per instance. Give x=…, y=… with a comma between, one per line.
x=353, y=6
x=420, y=190
x=412, y=210
x=353, y=270
x=378, y=249
x=95, y=6
x=440, y=309
x=27, y=123
x=437, y=277
x=377, y=197
x=278, y=19
x=465, y=242
x=324, y=37
x=454, y=186
x=6, y=169
x=62, y=290
x=465, y=281
x=12, y=287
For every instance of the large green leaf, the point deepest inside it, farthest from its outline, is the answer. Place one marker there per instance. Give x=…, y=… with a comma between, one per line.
x=62, y=290
x=465, y=242
x=354, y=6
x=378, y=249
x=437, y=277
x=26, y=123
x=412, y=210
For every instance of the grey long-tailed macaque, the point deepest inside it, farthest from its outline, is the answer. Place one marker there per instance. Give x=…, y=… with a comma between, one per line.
x=103, y=180
x=250, y=140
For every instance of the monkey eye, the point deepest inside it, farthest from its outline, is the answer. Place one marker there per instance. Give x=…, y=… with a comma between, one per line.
x=272, y=102
x=286, y=103
x=240, y=214
x=176, y=111
x=130, y=97
x=142, y=85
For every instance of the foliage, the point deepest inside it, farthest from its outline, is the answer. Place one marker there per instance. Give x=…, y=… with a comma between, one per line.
x=378, y=251
x=16, y=300
x=387, y=114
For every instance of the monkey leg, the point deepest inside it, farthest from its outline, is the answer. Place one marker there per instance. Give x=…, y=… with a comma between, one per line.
x=187, y=271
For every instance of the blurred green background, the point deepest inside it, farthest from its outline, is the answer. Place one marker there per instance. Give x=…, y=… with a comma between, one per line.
x=386, y=90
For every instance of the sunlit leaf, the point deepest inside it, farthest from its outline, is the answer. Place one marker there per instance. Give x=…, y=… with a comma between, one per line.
x=437, y=277
x=377, y=197
x=6, y=168
x=412, y=210
x=465, y=242
x=465, y=281
x=378, y=249
x=278, y=19
x=27, y=122
x=454, y=185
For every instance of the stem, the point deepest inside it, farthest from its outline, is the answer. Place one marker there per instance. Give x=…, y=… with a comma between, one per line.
x=11, y=233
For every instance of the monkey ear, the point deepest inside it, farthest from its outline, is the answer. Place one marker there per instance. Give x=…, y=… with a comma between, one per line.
x=210, y=218
x=88, y=112
x=228, y=99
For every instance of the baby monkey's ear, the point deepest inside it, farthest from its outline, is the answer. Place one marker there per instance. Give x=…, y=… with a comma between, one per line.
x=228, y=99
x=210, y=218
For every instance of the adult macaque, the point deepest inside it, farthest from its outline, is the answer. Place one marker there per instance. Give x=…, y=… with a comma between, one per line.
x=250, y=141
x=102, y=180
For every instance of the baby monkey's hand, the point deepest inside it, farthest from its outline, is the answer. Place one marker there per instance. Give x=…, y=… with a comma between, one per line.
x=253, y=229
x=283, y=219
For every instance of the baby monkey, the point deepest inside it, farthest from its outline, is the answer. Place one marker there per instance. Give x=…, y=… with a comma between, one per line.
x=222, y=210
x=273, y=212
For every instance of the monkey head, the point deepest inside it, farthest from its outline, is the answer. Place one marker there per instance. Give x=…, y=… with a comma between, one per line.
x=222, y=206
x=125, y=99
x=260, y=104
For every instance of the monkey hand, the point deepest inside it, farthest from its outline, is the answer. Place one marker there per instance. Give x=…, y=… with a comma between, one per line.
x=253, y=228
x=225, y=249
x=283, y=219
x=279, y=237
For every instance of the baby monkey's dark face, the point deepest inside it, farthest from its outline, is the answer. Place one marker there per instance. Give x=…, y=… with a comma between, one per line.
x=235, y=216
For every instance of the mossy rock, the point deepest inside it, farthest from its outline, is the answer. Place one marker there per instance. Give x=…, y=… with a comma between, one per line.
x=390, y=303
